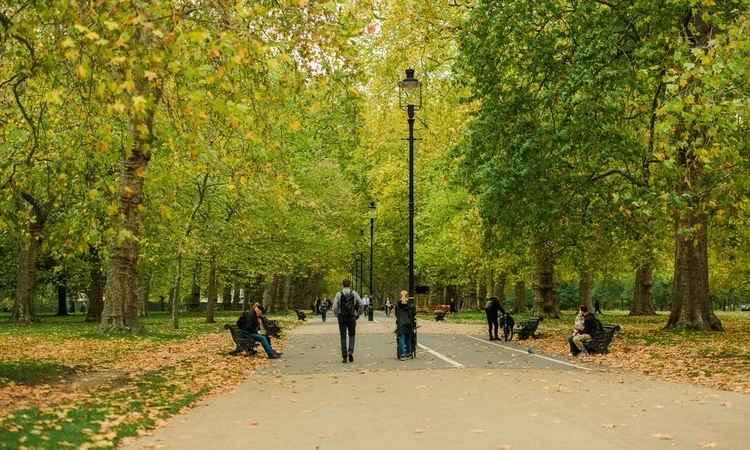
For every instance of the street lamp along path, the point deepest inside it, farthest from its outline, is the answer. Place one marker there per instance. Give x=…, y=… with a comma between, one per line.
x=410, y=100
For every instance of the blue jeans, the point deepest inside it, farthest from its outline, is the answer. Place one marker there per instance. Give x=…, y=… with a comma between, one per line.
x=323, y=313
x=347, y=324
x=264, y=342
x=405, y=346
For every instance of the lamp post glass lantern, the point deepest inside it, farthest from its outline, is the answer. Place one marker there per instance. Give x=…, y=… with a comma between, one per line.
x=371, y=209
x=410, y=100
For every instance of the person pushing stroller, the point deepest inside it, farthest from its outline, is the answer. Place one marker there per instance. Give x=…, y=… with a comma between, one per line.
x=405, y=326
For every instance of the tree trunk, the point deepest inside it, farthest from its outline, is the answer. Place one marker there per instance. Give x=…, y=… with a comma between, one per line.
x=62, y=301
x=120, y=312
x=643, y=294
x=144, y=290
x=519, y=298
x=194, y=305
x=175, y=309
x=691, y=302
x=96, y=287
x=236, y=297
x=226, y=298
x=212, y=291
x=482, y=292
x=585, y=287
x=498, y=289
x=23, y=308
x=546, y=302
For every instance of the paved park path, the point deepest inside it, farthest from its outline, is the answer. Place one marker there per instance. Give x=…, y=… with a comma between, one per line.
x=462, y=392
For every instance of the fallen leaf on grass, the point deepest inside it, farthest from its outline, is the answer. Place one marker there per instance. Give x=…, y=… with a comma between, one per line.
x=666, y=437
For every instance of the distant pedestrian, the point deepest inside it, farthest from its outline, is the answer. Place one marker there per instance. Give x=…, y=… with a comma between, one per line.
x=491, y=308
x=367, y=303
x=324, y=305
x=388, y=306
x=453, y=306
x=405, y=326
x=347, y=305
x=596, y=306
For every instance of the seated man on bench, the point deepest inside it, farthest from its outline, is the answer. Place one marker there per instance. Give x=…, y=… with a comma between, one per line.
x=578, y=342
x=252, y=325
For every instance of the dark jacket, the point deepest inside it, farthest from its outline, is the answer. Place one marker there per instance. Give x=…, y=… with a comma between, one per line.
x=251, y=322
x=589, y=324
x=404, y=318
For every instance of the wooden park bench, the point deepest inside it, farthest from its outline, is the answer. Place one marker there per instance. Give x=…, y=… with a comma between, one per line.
x=527, y=328
x=600, y=342
x=243, y=340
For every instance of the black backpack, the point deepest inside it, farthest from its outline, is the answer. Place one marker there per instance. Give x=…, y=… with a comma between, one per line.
x=347, y=305
x=242, y=321
x=490, y=306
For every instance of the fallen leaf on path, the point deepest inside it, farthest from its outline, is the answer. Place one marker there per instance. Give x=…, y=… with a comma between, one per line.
x=609, y=425
x=477, y=431
x=727, y=404
x=419, y=430
x=666, y=437
x=505, y=447
x=252, y=423
x=706, y=444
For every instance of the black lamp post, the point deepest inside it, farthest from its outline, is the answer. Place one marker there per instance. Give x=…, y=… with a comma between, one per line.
x=361, y=263
x=371, y=209
x=410, y=99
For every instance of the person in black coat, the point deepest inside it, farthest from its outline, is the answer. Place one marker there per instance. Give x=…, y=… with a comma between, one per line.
x=405, y=326
x=492, y=307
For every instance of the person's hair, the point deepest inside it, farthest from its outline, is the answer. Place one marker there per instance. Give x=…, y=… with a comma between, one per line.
x=494, y=298
x=584, y=308
x=260, y=307
x=346, y=283
x=404, y=296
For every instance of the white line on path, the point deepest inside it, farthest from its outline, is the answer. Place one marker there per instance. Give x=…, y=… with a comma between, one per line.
x=531, y=354
x=443, y=357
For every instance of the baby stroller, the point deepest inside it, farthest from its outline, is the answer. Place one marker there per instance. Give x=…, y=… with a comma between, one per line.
x=506, y=324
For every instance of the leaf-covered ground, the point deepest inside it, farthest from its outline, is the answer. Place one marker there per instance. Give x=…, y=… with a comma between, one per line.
x=62, y=384
x=718, y=360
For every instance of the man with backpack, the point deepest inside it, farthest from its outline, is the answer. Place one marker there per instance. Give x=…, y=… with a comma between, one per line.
x=590, y=324
x=491, y=308
x=347, y=306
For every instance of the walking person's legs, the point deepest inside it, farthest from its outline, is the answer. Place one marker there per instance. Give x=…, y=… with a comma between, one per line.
x=401, y=347
x=352, y=327
x=408, y=344
x=342, y=334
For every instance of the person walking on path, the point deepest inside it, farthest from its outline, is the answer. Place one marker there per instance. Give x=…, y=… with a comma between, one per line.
x=453, y=306
x=347, y=305
x=491, y=309
x=405, y=326
x=388, y=306
x=596, y=306
x=324, y=305
x=252, y=326
x=578, y=343
x=366, y=302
